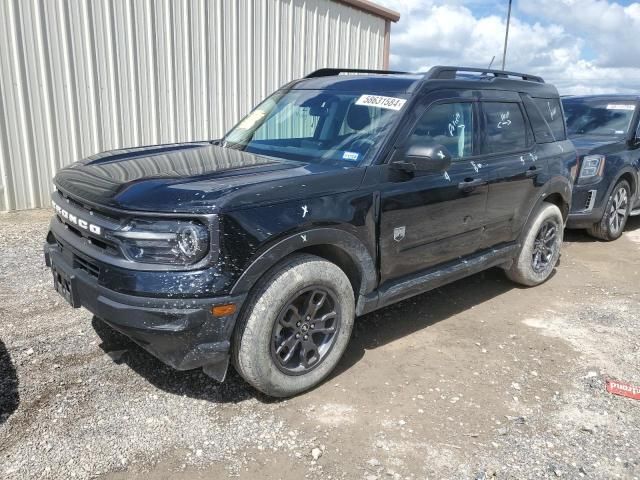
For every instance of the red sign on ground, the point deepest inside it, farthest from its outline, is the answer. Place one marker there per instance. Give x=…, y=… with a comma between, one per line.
x=623, y=389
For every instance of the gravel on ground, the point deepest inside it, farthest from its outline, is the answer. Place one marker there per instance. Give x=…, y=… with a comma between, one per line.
x=479, y=379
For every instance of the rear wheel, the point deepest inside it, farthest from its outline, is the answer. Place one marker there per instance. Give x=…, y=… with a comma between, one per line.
x=616, y=213
x=540, y=248
x=296, y=328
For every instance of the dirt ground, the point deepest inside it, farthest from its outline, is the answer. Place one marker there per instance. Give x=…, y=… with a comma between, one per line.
x=476, y=380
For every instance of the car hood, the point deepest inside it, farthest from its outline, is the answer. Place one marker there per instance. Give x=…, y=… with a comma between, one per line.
x=195, y=178
x=592, y=144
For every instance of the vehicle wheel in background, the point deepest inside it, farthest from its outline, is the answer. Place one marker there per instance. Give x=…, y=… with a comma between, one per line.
x=616, y=213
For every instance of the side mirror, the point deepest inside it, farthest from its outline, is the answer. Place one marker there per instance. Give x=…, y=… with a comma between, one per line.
x=423, y=157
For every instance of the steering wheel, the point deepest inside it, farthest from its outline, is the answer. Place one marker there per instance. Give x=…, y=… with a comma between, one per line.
x=361, y=145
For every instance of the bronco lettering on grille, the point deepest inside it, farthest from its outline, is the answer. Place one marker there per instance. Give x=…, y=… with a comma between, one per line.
x=74, y=220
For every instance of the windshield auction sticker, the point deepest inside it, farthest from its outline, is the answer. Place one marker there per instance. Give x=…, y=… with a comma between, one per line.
x=389, y=103
x=620, y=106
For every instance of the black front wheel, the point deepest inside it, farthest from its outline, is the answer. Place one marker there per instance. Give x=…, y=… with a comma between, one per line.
x=306, y=330
x=296, y=326
x=616, y=214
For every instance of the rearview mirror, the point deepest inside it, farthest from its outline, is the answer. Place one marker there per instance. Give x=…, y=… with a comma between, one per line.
x=423, y=157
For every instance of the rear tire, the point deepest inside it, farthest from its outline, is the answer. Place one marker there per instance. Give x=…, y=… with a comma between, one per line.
x=296, y=327
x=616, y=214
x=540, y=248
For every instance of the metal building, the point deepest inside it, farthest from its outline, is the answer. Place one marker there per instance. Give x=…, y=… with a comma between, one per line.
x=82, y=76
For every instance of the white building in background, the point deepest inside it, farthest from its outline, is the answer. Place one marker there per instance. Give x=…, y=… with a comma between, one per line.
x=82, y=76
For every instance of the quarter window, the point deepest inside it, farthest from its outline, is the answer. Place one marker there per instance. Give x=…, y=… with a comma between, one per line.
x=541, y=129
x=552, y=113
x=506, y=130
x=449, y=125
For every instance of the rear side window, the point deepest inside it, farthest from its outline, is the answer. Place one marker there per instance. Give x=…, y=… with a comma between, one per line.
x=506, y=130
x=551, y=111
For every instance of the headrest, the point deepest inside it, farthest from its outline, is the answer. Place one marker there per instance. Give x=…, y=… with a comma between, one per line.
x=358, y=117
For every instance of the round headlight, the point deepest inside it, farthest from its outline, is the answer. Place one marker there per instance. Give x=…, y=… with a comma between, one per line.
x=189, y=241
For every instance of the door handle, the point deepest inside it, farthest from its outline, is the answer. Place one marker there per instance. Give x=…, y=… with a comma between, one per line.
x=532, y=172
x=471, y=183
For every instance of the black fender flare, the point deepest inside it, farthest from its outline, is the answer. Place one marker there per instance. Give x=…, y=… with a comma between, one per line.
x=557, y=185
x=345, y=241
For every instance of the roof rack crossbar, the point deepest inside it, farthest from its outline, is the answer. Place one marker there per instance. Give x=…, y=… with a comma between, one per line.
x=449, y=73
x=328, y=72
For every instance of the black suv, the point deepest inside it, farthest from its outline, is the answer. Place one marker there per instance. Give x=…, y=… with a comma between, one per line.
x=341, y=193
x=605, y=129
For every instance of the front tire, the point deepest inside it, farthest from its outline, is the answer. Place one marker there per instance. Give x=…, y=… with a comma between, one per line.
x=540, y=249
x=296, y=328
x=616, y=214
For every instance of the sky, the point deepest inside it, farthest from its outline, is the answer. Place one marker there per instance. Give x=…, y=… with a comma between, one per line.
x=581, y=46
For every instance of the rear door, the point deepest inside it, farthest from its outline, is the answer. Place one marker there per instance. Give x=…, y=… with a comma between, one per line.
x=432, y=218
x=508, y=152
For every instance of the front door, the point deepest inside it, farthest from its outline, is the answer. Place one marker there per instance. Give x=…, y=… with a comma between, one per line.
x=428, y=219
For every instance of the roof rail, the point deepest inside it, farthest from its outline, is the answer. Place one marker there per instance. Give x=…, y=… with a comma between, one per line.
x=449, y=73
x=329, y=72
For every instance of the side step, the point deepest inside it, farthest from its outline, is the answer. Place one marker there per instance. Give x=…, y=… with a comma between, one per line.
x=436, y=277
x=635, y=213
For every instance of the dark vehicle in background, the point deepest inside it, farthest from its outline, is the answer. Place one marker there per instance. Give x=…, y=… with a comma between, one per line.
x=605, y=130
x=342, y=193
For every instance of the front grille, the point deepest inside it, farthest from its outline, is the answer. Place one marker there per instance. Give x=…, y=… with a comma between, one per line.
x=87, y=266
x=94, y=212
x=78, y=262
x=75, y=215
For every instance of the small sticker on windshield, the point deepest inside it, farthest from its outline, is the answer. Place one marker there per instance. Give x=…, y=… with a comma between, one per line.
x=389, y=103
x=621, y=106
x=353, y=156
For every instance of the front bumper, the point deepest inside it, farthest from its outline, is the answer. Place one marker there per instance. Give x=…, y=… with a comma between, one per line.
x=587, y=204
x=180, y=332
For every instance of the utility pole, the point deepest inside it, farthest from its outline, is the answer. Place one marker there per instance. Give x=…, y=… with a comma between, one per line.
x=506, y=36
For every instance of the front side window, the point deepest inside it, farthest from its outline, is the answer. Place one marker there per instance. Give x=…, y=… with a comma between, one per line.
x=317, y=126
x=447, y=124
x=598, y=117
x=505, y=128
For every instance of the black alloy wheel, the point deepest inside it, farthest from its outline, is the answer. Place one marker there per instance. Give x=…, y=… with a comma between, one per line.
x=305, y=331
x=545, y=246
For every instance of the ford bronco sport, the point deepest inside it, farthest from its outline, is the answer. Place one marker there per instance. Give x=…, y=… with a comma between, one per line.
x=341, y=193
x=606, y=131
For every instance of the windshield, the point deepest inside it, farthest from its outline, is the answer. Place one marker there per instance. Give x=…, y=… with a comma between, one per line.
x=598, y=117
x=316, y=126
